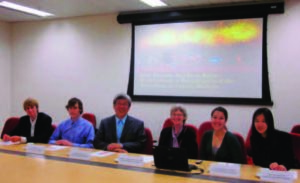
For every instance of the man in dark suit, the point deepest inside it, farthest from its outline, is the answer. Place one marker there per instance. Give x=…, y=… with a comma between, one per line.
x=34, y=127
x=121, y=132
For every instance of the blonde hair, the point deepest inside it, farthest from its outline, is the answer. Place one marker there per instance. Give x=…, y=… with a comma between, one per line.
x=30, y=102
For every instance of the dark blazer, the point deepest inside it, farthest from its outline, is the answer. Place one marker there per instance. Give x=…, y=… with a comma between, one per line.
x=230, y=150
x=133, y=136
x=186, y=140
x=42, y=131
x=277, y=147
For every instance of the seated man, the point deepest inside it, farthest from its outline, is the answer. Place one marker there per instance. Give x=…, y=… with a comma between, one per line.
x=34, y=127
x=74, y=131
x=121, y=132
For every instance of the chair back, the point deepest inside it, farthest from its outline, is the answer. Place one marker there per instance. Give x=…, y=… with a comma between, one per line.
x=9, y=125
x=203, y=127
x=296, y=147
x=241, y=140
x=148, y=149
x=248, y=143
x=53, y=127
x=296, y=129
x=168, y=123
x=91, y=118
x=193, y=128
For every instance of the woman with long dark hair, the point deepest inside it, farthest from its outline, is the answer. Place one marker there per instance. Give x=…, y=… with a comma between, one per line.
x=219, y=144
x=270, y=148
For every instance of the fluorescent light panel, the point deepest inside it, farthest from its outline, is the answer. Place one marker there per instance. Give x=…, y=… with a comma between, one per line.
x=24, y=9
x=154, y=3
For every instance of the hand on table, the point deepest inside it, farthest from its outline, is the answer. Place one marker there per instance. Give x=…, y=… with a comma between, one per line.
x=113, y=146
x=63, y=143
x=276, y=166
x=11, y=138
x=6, y=138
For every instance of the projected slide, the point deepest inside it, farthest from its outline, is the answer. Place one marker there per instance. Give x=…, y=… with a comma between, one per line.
x=199, y=59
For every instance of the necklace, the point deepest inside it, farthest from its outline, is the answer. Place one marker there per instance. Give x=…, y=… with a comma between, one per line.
x=217, y=140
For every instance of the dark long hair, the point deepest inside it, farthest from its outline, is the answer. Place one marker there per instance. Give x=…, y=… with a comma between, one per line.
x=268, y=119
x=222, y=110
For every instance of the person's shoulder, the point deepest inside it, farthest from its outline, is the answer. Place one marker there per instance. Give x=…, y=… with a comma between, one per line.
x=231, y=136
x=187, y=128
x=208, y=133
x=24, y=118
x=108, y=119
x=43, y=115
x=281, y=134
x=167, y=129
x=86, y=122
x=64, y=122
x=133, y=119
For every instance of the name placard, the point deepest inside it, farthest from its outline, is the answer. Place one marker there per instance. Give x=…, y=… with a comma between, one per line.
x=277, y=176
x=79, y=154
x=225, y=169
x=124, y=159
x=36, y=149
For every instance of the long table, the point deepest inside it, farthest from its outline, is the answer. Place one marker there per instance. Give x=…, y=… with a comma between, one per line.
x=17, y=165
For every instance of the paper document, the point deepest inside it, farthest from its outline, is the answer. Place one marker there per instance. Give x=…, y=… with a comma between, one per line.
x=80, y=154
x=102, y=154
x=125, y=159
x=147, y=159
x=7, y=143
x=277, y=176
x=225, y=169
x=37, y=149
x=55, y=148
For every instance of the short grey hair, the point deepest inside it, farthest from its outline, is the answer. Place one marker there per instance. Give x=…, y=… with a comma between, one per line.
x=180, y=108
x=122, y=96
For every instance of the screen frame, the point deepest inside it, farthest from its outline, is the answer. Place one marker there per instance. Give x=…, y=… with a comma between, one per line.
x=266, y=95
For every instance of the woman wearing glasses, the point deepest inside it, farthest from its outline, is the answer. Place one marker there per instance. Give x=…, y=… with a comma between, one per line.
x=179, y=135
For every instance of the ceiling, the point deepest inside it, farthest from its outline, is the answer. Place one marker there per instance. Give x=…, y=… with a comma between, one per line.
x=73, y=8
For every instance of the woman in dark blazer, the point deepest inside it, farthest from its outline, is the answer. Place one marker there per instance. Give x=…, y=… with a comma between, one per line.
x=178, y=135
x=270, y=148
x=220, y=144
x=34, y=127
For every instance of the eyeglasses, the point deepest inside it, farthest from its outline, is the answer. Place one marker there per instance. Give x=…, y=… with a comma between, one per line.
x=177, y=115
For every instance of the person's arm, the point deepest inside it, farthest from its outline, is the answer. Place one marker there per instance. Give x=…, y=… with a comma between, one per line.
x=287, y=158
x=139, y=142
x=18, y=134
x=17, y=130
x=236, y=150
x=257, y=154
x=203, y=147
x=99, y=141
x=192, y=146
x=89, y=138
x=55, y=136
x=163, y=138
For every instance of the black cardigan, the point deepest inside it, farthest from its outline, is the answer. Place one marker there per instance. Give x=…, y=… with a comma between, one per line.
x=186, y=140
x=230, y=150
x=42, y=131
x=277, y=147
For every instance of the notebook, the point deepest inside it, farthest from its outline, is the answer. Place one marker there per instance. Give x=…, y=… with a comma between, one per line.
x=172, y=158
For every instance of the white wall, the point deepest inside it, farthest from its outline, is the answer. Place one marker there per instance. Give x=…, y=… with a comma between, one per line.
x=5, y=71
x=89, y=58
